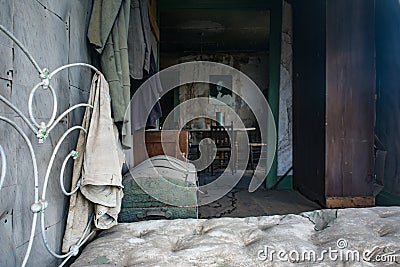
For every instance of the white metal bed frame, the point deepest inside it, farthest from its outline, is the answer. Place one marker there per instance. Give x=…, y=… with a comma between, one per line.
x=42, y=131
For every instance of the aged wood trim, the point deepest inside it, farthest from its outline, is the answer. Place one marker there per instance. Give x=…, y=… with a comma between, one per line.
x=350, y=202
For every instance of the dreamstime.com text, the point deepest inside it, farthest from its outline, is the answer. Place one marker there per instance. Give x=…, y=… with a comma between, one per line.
x=339, y=253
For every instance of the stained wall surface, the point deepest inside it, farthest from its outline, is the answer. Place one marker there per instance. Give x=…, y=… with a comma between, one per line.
x=54, y=32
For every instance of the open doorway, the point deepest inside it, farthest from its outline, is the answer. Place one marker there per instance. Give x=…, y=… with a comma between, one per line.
x=244, y=39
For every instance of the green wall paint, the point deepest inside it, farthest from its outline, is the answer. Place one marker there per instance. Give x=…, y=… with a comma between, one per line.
x=387, y=199
x=286, y=183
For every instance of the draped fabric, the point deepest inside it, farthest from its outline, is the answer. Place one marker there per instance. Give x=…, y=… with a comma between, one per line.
x=108, y=32
x=98, y=168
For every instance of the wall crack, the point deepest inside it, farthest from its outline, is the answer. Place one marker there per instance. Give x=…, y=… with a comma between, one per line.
x=52, y=12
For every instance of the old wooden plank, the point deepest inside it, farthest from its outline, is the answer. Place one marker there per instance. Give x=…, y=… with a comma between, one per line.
x=350, y=91
x=349, y=202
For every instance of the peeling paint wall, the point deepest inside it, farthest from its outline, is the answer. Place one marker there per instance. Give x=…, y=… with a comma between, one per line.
x=285, y=142
x=55, y=34
x=255, y=65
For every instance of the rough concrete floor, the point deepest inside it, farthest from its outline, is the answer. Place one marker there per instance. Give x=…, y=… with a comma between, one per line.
x=241, y=203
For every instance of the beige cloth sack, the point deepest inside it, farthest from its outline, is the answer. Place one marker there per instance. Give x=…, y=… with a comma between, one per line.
x=98, y=167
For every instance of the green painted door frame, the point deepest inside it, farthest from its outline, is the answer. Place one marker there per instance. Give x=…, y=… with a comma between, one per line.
x=275, y=7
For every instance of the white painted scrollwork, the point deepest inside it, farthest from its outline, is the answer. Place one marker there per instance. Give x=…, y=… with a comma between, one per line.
x=42, y=130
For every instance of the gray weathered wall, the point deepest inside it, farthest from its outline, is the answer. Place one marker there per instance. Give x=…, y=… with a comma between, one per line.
x=285, y=140
x=54, y=32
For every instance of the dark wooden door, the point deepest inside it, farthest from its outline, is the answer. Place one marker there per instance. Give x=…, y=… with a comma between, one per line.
x=350, y=102
x=334, y=101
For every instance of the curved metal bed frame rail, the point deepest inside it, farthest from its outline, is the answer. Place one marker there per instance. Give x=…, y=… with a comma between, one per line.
x=42, y=131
